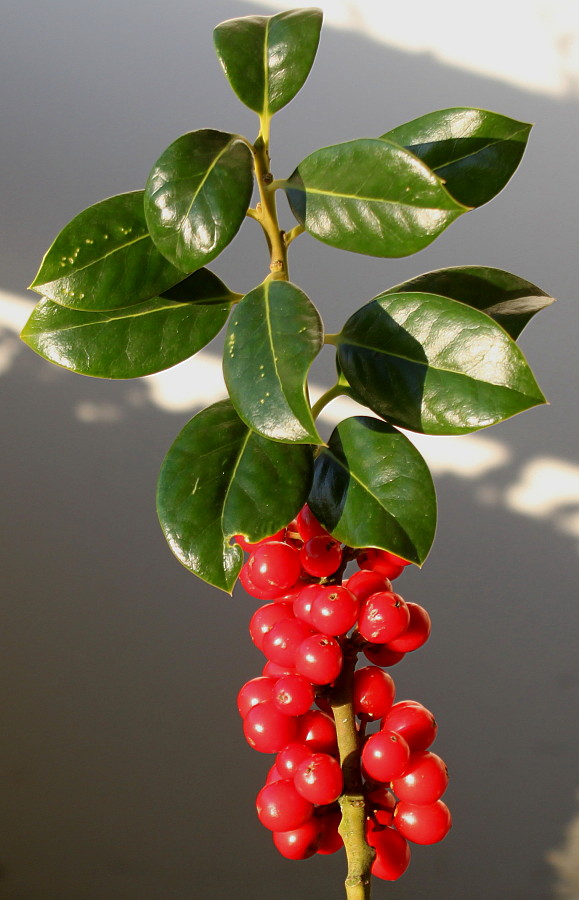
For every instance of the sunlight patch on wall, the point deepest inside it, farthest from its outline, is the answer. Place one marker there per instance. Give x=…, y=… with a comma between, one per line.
x=528, y=43
x=565, y=861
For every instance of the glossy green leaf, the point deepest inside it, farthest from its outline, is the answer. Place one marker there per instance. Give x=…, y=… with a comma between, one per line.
x=105, y=259
x=372, y=488
x=509, y=300
x=267, y=58
x=433, y=365
x=474, y=151
x=272, y=338
x=220, y=479
x=197, y=195
x=135, y=340
x=370, y=196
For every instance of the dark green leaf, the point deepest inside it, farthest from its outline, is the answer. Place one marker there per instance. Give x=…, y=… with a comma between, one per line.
x=370, y=196
x=474, y=151
x=197, y=196
x=105, y=259
x=509, y=300
x=433, y=365
x=372, y=488
x=220, y=479
x=135, y=340
x=267, y=58
x=272, y=339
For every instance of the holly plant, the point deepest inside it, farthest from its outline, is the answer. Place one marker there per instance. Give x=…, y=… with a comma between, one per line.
x=315, y=530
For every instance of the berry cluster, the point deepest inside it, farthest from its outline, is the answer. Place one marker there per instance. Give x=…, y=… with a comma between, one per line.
x=313, y=620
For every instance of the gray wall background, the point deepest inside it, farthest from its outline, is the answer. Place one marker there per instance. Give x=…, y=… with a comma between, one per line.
x=124, y=774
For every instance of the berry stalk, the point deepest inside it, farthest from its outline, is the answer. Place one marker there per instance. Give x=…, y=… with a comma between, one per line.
x=352, y=827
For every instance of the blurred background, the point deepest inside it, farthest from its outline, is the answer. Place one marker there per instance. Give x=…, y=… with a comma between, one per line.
x=124, y=773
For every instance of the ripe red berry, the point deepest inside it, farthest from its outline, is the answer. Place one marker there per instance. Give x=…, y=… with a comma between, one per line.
x=334, y=609
x=267, y=729
x=374, y=692
x=274, y=775
x=319, y=659
x=307, y=525
x=330, y=838
x=281, y=808
x=274, y=565
x=387, y=564
x=265, y=618
x=319, y=779
x=385, y=756
x=302, y=605
x=293, y=694
x=382, y=655
x=384, y=803
x=299, y=843
x=416, y=634
x=249, y=546
x=383, y=617
x=366, y=582
x=423, y=824
x=272, y=670
x=281, y=643
x=255, y=691
x=414, y=722
x=321, y=556
x=392, y=853
x=288, y=759
x=271, y=593
x=425, y=779
x=317, y=730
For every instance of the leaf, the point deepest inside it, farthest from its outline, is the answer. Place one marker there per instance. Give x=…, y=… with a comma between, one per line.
x=474, y=151
x=370, y=196
x=433, y=365
x=272, y=339
x=105, y=259
x=197, y=196
x=267, y=59
x=219, y=479
x=372, y=488
x=509, y=300
x=135, y=340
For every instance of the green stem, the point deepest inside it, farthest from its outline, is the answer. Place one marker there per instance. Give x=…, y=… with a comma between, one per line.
x=336, y=391
x=352, y=827
x=266, y=209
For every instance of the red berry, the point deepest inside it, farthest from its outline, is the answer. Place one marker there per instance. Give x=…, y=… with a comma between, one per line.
x=318, y=731
x=330, y=838
x=385, y=756
x=255, y=691
x=274, y=565
x=387, y=564
x=425, y=779
x=273, y=670
x=302, y=605
x=414, y=722
x=366, y=582
x=374, y=692
x=334, y=609
x=267, y=729
x=288, y=759
x=319, y=779
x=253, y=590
x=281, y=642
x=281, y=808
x=299, y=843
x=307, y=525
x=416, y=634
x=274, y=775
x=384, y=803
x=383, y=617
x=293, y=695
x=321, y=556
x=423, y=824
x=265, y=618
x=382, y=655
x=249, y=546
x=319, y=659
x=392, y=853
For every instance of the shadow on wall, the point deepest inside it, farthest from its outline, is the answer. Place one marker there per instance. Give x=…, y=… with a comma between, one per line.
x=125, y=773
